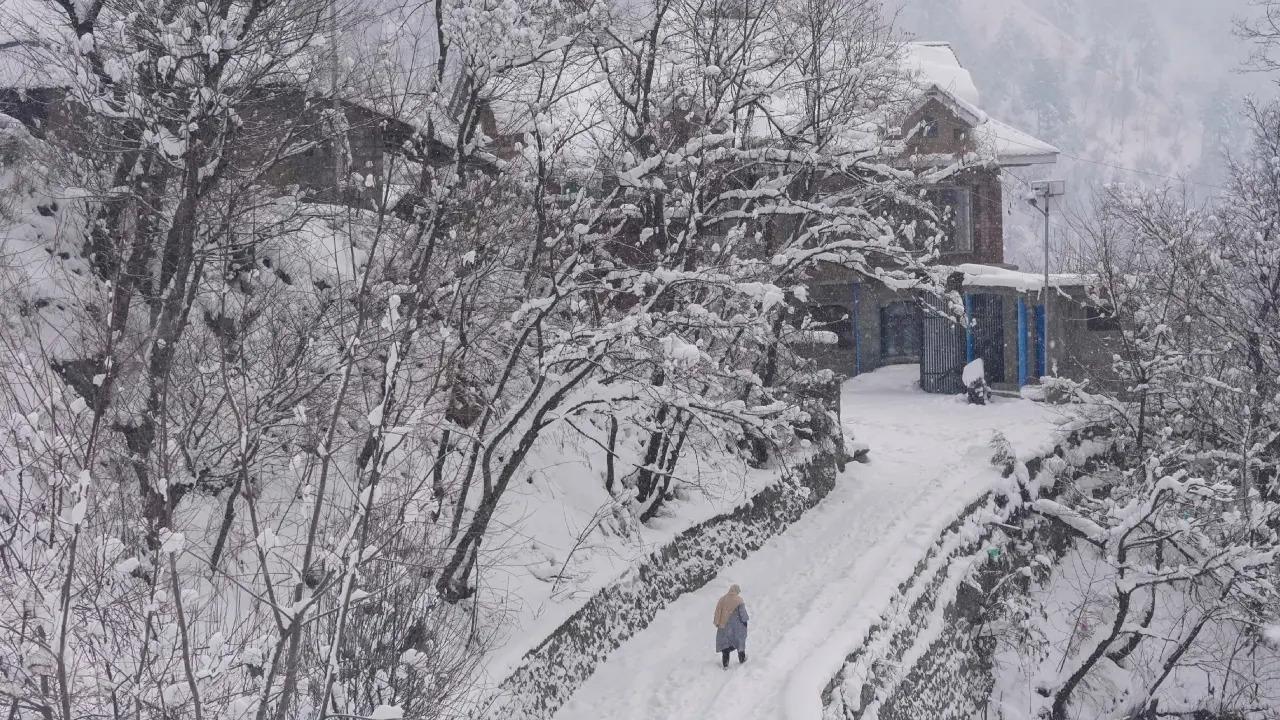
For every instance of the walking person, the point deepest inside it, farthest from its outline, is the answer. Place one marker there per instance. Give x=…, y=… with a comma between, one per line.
x=731, y=626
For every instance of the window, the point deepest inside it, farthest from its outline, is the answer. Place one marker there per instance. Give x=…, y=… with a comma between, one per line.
x=900, y=331
x=958, y=135
x=956, y=217
x=834, y=319
x=929, y=127
x=1098, y=319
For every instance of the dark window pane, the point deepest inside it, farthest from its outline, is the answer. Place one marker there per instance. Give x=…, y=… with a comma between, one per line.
x=900, y=330
x=835, y=319
x=1100, y=320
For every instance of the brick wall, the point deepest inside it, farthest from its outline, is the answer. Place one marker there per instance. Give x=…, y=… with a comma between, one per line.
x=950, y=135
x=988, y=217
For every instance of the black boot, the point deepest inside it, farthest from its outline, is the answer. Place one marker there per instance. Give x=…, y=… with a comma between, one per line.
x=724, y=659
x=742, y=657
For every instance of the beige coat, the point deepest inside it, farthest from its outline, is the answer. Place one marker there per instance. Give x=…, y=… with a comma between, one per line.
x=727, y=604
x=731, y=622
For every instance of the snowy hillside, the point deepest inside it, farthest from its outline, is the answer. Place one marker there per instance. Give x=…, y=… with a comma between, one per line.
x=1140, y=91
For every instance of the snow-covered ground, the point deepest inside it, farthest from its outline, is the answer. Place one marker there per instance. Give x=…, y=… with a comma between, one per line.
x=813, y=591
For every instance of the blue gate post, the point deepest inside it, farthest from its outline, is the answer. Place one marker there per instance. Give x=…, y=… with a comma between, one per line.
x=1022, y=341
x=857, y=329
x=968, y=327
x=1042, y=342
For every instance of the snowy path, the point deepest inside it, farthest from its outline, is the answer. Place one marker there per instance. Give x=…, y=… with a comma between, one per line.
x=814, y=590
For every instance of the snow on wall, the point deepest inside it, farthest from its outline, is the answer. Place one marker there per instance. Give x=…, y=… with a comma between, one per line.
x=988, y=276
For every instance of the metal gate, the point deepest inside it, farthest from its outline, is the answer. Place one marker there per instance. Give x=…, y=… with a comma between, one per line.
x=942, y=349
x=986, y=312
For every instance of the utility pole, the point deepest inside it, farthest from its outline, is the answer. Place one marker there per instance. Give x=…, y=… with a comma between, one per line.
x=333, y=98
x=1042, y=191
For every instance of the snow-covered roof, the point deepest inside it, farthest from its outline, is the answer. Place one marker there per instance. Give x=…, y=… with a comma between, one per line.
x=1015, y=147
x=991, y=276
x=936, y=64
x=937, y=71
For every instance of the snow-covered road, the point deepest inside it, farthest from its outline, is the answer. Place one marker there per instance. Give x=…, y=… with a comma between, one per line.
x=814, y=590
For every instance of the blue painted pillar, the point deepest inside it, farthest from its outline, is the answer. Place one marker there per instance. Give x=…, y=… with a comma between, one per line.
x=968, y=327
x=1022, y=341
x=1042, y=339
x=857, y=329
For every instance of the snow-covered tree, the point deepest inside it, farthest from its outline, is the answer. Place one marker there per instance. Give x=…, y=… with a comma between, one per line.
x=1177, y=531
x=269, y=387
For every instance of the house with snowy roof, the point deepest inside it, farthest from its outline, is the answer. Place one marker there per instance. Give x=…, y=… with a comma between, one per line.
x=311, y=138
x=875, y=325
x=941, y=124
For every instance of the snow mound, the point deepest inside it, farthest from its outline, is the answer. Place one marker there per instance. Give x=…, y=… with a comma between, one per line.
x=974, y=372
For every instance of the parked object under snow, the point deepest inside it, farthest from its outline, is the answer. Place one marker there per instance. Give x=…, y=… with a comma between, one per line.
x=975, y=382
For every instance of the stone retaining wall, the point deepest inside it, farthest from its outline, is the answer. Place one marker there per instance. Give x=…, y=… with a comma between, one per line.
x=927, y=658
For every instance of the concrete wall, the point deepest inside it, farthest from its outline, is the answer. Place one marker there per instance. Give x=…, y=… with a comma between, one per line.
x=1079, y=351
x=866, y=353
x=862, y=302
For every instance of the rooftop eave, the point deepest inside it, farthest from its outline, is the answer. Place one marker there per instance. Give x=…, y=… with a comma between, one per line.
x=1025, y=159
